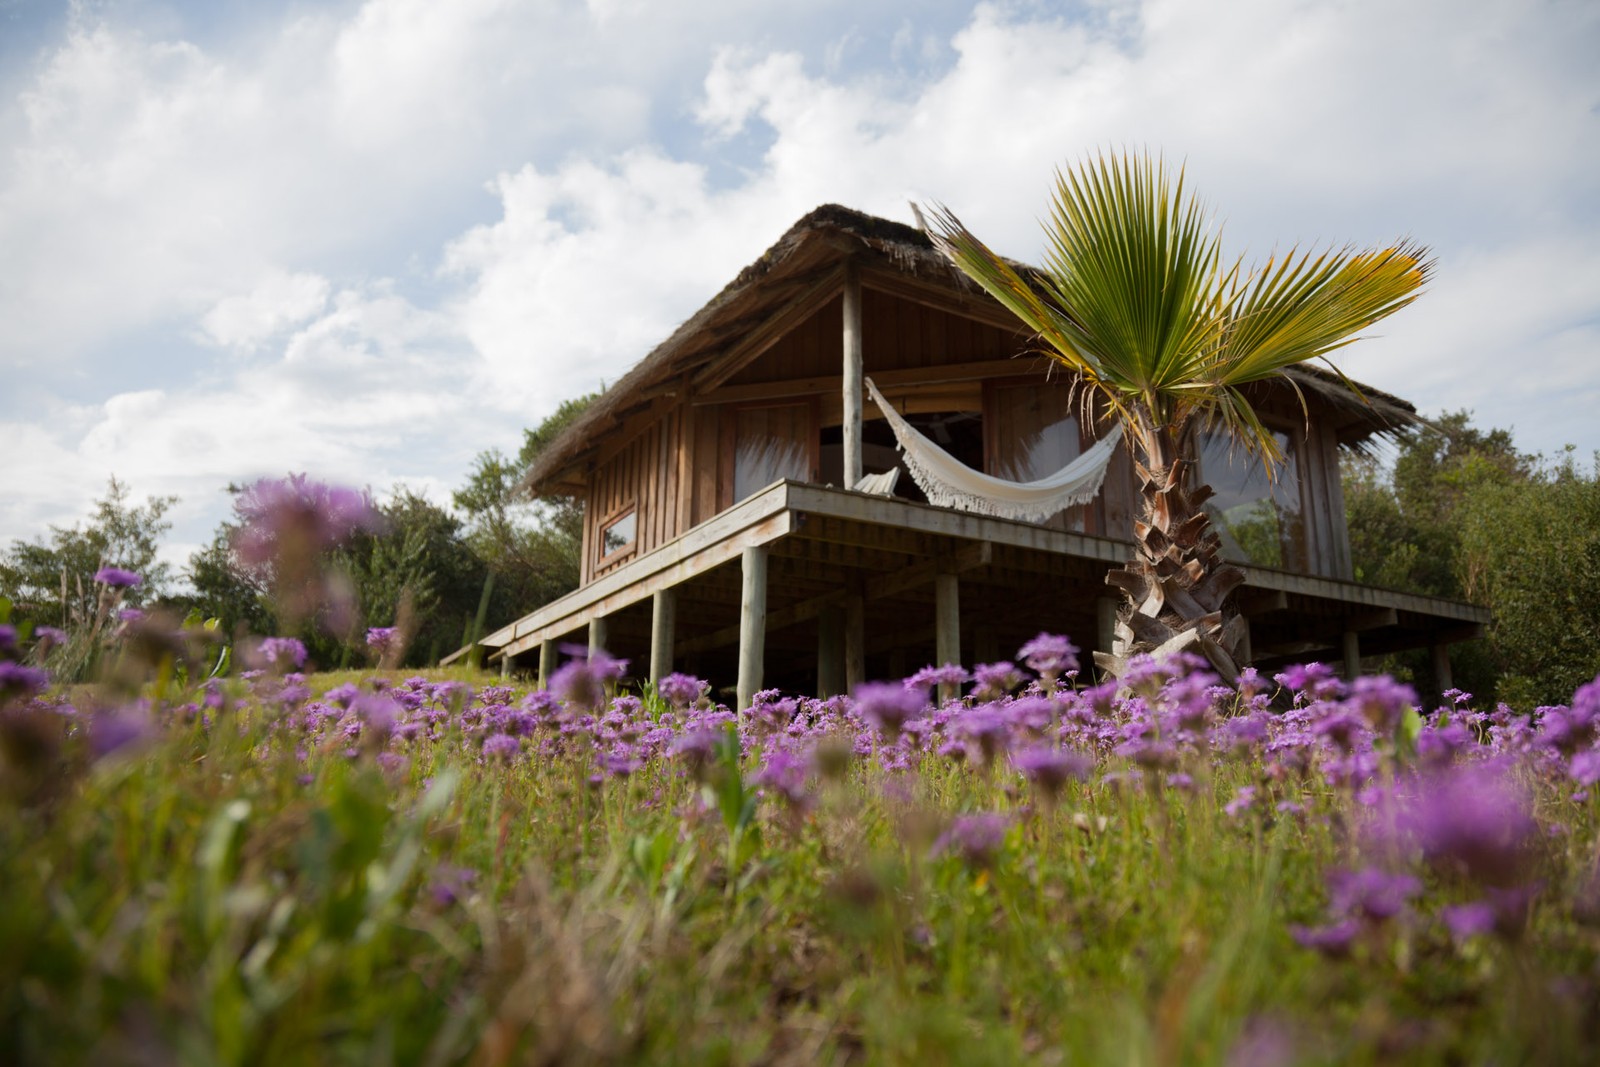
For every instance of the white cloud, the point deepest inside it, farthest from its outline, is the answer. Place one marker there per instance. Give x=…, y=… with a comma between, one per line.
x=313, y=198
x=279, y=302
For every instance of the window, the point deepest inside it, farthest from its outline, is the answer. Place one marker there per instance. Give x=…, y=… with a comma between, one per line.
x=771, y=443
x=1036, y=434
x=619, y=534
x=1261, y=520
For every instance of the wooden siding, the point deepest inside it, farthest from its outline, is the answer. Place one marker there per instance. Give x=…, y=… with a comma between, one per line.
x=674, y=469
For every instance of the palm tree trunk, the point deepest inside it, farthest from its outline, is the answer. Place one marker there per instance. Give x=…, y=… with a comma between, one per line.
x=1177, y=589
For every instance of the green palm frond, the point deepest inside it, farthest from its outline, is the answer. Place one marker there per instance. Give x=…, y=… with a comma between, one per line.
x=1135, y=297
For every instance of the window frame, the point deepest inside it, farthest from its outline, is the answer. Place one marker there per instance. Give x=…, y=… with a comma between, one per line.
x=1299, y=444
x=604, y=559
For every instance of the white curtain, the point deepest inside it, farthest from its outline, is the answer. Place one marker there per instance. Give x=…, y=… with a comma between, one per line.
x=948, y=482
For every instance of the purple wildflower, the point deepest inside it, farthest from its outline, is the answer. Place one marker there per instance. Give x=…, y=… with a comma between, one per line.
x=888, y=705
x=681, y=690
x=282, y=653
x=1332, y=941
x=1469, y=920
x=118, y=578
x=1243, y=801
x=451, y=885
x=17, y=681
x=582, y=680
x=502, y=747
x=1473, y=818
x=113, y=731
x=1050, y=769
x=785, y=773
x=930, y=677
x=977, y=839
x=1049, y=655
x=992, y=681
x=295, y=515
x=1381, y=701
x=1310, y=681
x=383, y=639
x=1371, y=893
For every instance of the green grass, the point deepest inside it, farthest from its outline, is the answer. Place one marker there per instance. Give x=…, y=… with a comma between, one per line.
x=202, y=902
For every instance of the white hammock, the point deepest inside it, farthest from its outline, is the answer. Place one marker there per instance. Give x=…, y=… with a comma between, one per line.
x=949, y=483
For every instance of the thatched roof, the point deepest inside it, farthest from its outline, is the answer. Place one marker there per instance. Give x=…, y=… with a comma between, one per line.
x=813, y=247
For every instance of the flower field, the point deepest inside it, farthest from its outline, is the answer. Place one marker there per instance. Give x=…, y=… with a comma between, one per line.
x=378, y=868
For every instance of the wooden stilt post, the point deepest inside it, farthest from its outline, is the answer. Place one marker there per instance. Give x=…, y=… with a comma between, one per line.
x=597, y=635
x=505, y=666
x=547, y=662
x=1105, y=624
x=947, y=628
x=830, y=651
x=852, y=376
x=1352, y=655
x=752, y=622
x=985, y=645
x=1246, y=652
x=1439, y=656
x=855, y=640
x=663, y=626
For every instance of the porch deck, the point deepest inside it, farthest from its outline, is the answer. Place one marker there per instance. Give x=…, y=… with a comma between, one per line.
x=815, y=589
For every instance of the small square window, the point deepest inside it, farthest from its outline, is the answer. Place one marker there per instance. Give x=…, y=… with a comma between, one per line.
x=619, y=534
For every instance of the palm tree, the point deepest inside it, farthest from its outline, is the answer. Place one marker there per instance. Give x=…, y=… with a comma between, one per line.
x=1136, y=300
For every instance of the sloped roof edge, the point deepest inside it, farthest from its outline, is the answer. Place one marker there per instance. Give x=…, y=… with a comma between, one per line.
x=911, y=251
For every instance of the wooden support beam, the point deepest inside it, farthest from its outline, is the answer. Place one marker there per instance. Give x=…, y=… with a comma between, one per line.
x=763, y=337
x=505, y=666
x=925, y=571
x=1105, y=623
x=1352, y=655
x=1246, y=653
x=1262, y=602
x=597, y=635
x=830, y=651
x=851, y=374
x=752, y=622
x=855, y=640
x=1439, y=657
x=890, y=381
x=663, y=624
x=1375, y=619
x=547, y=662
x=947, y=627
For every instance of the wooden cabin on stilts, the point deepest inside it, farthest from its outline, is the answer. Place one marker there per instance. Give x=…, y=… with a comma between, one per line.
x=744, y=522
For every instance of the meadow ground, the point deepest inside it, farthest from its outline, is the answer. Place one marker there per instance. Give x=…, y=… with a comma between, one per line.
x=437, y=867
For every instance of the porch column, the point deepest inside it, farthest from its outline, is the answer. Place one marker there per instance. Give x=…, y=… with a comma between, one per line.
x=1246, y=652
x=597, y=635
x=1105, y=624
x=547, y=662
x=947, y=628
x=830, y=651
x=505, y=666
x=852, y=375
x=663, y=627
x=752, y=622
x=1352, y=655
x=1439, y=656
x=855, y=639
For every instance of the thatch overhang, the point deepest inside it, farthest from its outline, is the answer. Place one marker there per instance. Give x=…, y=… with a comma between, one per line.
x=810, y=257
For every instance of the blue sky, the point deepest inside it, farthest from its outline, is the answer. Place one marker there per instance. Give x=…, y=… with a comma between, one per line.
x=370, y=240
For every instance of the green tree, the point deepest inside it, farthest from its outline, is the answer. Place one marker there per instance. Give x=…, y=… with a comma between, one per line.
x=531, y=545
x=53, y=583
x=1136, y=300
x=1530, y=550
x=1406, y=522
